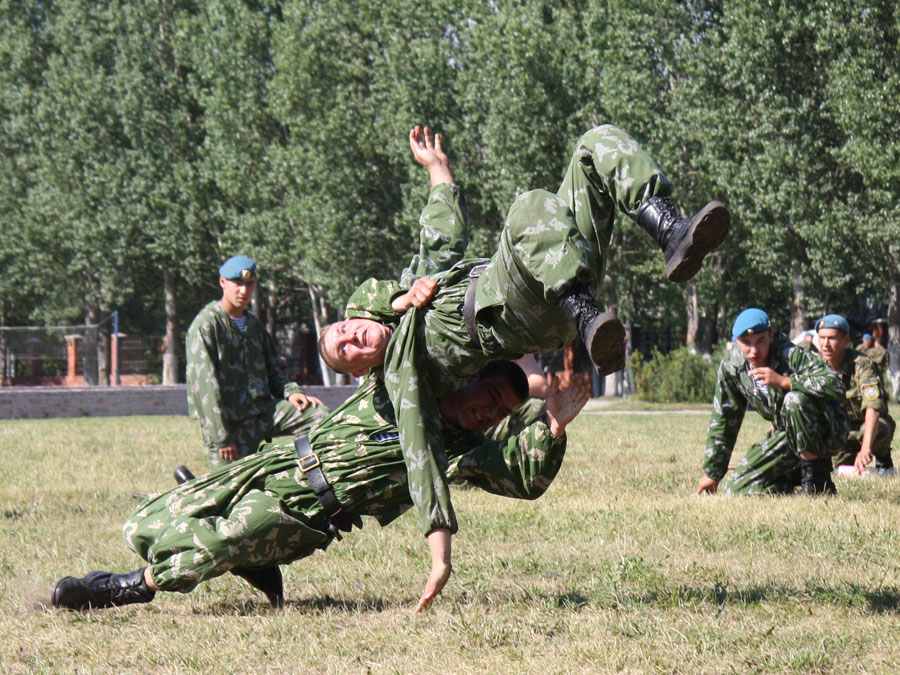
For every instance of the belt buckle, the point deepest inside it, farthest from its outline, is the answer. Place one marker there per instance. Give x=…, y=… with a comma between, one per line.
x=315, y=463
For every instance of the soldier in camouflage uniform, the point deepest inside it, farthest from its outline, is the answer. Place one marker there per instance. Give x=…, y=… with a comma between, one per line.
x=261, y=511
x=871, y=427
x=792, y=388
x=235, y=384
x=531, y=297
x=873, y=351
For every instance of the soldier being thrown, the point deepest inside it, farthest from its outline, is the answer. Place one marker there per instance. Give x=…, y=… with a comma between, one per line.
x=535, y=293
x=262, y=511
x=871, y=427
x=792, y=388
x=540, y=286
x=235, y=385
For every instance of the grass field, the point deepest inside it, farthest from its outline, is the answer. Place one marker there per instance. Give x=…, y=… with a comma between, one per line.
x=616, y=569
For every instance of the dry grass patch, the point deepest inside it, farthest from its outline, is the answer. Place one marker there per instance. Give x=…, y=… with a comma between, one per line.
x=618, y=568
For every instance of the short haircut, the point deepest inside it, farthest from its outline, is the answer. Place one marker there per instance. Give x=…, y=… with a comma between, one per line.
x=510, y=373
x=323, y=332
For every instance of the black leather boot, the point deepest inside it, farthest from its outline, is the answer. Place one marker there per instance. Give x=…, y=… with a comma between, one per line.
x=809, y=475
x=266, y=579
x=824, y=468
x=685, y=241
x=602, y=332
x=183, y=474
x=97, y=590
x=884, y=466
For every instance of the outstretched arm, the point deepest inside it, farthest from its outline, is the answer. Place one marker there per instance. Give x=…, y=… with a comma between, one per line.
x=429, y=153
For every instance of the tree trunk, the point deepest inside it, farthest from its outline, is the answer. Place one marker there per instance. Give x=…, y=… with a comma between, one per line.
x=95, y=353
x=271, y=304
x=4, y=350
x=170, y=349
x=320, y=319
x=798, y=305
x=893, y=347
x=693, y=318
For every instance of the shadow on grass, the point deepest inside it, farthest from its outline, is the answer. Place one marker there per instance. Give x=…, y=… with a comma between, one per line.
x=305, y=605
x=885, y=600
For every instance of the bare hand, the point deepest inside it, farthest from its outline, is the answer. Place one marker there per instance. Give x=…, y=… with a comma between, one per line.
x=863, y=458
x=770, y=378
x=421, y=293
x=564, y=404
x=430, y=154
x=301, y=401
x=439, y=543
x=708, y=485
x=229, y=453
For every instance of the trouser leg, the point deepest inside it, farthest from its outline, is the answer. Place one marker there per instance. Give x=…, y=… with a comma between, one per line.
x=188, y=549
x=769, y=467
x=608, y=172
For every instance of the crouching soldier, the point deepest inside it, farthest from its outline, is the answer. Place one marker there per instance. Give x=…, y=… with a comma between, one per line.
x=871, y=427
x=792, y=388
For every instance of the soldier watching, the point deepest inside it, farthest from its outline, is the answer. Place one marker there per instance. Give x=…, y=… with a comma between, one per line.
x=235, y=384
x=792, y=388
x=871, y=427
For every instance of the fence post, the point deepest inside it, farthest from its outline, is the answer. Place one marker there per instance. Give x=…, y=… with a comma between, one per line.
x=114, y=356
x=71, y=359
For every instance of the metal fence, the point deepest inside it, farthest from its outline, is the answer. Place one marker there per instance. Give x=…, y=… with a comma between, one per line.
x=77, y=355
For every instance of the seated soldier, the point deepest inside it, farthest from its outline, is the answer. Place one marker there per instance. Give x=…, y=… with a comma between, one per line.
x=792, y=388
x=294, y=497
x=871, y=427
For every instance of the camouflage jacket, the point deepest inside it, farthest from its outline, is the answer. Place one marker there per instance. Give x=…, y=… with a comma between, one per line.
x=865, y=389
x=359, y=447
x=231, y=376
x=736, y=392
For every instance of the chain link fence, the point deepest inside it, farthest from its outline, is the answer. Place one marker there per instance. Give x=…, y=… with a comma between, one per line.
x=75, y=355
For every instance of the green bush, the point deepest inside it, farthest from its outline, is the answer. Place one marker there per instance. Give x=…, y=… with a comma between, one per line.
x=679, y=376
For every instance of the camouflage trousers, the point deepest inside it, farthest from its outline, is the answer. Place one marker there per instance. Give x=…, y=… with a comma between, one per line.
x=804, y=424
x=253, y=513
x=280, y=418
x=881, y=444
x=551, y=242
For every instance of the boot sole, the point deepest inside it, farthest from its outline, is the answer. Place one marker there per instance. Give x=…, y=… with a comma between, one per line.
x=708, y=229
x=606, y=343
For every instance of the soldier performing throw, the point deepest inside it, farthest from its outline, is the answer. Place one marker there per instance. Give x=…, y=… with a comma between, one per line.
x=260, y=512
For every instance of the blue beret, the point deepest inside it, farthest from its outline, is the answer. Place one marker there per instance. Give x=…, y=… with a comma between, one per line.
x=868, y=335
x=238, y=267
x=833, y=321
x=751, y=320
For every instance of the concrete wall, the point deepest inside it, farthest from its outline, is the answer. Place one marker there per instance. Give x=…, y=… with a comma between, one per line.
x=46, y=402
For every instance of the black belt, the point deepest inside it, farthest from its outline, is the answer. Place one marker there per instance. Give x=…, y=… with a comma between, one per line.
x=339, y=520
x=469, y=304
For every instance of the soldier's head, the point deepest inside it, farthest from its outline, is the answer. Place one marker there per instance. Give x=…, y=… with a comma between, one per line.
x=354, y=346
x=834, y=336
x=867, y=340
x=487, y=397
x=752, y=331
x=237, y=278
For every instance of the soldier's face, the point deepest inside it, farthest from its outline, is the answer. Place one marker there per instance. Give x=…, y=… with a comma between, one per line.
x=482, y=403
x=355, y=345
x=756, y=347
x=237, y=294
x=832, y=343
